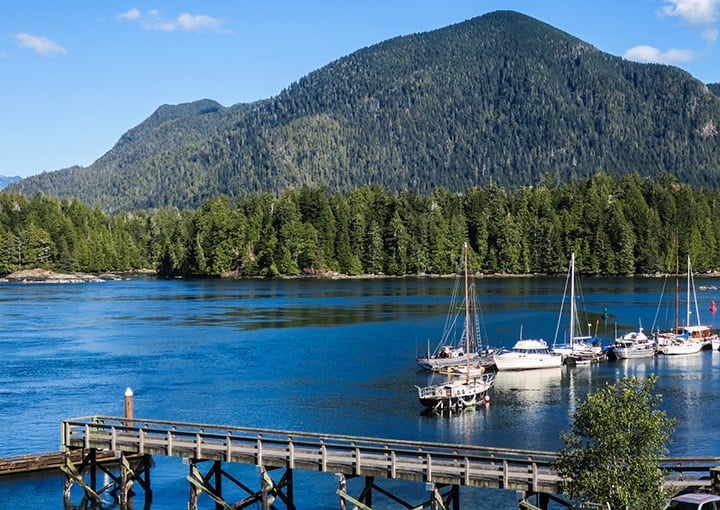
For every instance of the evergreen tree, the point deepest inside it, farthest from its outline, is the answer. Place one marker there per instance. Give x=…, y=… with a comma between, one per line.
x=612, y=451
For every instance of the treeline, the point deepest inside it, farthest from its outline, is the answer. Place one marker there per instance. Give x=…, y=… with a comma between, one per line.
x=617, y=226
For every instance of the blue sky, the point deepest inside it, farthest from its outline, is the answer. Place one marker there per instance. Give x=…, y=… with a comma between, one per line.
x=75, y=75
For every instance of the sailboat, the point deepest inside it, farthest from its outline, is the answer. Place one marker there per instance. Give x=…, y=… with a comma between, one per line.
x=468, y=391
x=688, y=338
x=458, y=339
x=580, y=349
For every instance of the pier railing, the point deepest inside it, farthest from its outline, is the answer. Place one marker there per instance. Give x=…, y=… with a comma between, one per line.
x=437, y=463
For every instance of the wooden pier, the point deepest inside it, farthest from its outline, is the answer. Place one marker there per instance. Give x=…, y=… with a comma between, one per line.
x=50, y=461
x=442, y=468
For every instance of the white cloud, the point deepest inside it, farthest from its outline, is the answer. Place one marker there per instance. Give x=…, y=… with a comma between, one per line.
x=696, y=12
x=131, y=15
x=39, y=44
x=651, y=54
x=153, y=20
x=197, y=22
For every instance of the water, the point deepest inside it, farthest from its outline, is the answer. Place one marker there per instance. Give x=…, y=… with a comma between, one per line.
x=333, y=356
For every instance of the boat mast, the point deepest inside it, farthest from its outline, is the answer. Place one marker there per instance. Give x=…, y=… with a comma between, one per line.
x=572, y=301
x=677, y=284
x=467, y=317
x=687, y=316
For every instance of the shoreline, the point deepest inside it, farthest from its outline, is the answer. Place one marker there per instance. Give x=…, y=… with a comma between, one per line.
x=39, y=275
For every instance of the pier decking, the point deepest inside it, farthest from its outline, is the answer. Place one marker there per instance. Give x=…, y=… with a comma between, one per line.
x=49, y=461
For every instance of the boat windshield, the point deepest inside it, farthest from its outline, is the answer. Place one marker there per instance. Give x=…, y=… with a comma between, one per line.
x=530, y=351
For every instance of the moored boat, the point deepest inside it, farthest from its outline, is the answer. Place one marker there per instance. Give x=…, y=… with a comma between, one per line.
x=687, y=338
x=634, y=344
x=474, y=370
x=471, y=390
x=528, y=354
x=460, y=338
x=580, y=350
x=456, y=394
x=678, y=346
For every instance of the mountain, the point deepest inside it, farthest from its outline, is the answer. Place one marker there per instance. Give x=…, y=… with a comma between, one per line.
x=6, y=181
x=500, y=99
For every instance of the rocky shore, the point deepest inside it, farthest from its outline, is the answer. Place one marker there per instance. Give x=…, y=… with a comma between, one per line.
x=45, y=276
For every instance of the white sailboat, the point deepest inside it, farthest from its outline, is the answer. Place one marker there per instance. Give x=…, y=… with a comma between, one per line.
x=467, y=391
x=580, y=349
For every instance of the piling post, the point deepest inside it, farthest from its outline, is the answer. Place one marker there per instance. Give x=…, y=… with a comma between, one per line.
x=343, y=491
x=128, y=406
x=124, y=486
x=264, y=486
x=194, y=489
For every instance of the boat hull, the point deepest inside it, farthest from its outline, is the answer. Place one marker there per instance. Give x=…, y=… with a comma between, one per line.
x=633, y=353
x=437, y=363
x=509, y=361
x=679, y=349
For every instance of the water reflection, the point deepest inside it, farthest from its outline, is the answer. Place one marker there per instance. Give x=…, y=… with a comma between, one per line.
x=529, y=389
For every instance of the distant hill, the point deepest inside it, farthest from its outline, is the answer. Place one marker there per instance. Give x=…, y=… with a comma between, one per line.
x=499, y=99
x=6, y=181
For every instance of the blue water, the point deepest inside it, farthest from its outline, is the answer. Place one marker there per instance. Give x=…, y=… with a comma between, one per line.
x=332, y=356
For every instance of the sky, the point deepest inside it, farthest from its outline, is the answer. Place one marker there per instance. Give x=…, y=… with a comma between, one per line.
x=76, y=75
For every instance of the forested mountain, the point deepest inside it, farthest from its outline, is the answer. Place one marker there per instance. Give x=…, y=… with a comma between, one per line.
x=502, y=99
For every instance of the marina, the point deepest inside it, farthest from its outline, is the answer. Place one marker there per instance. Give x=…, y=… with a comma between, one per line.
x=209, y=351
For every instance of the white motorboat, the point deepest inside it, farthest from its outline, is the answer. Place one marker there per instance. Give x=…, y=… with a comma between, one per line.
x=528, y=354
x=634, y=344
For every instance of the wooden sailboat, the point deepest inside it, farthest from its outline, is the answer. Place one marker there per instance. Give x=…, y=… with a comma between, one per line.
x=468, y=391
x=687, y=338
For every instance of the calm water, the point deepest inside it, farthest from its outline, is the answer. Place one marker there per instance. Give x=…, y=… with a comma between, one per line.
x=320, y=356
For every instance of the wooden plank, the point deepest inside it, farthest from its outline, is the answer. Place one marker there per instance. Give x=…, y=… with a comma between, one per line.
x=49, y=461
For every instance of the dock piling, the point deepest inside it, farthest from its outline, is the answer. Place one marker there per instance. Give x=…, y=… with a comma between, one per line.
x=129, y=406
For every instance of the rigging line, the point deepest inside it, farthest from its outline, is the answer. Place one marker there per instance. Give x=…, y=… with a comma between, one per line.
x=562, y=306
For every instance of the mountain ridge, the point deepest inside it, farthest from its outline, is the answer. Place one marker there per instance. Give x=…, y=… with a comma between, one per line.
x=498, y=99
